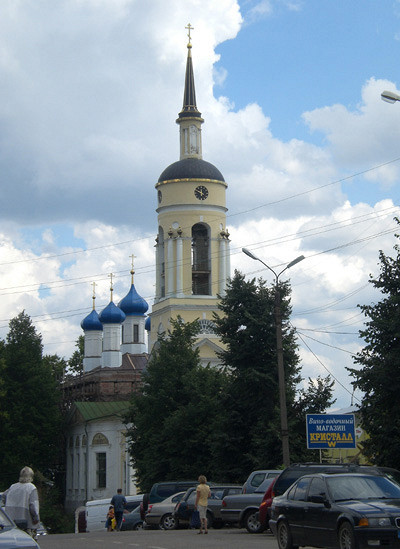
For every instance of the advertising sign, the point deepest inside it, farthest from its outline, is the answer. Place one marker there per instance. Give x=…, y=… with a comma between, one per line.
x=330, y=431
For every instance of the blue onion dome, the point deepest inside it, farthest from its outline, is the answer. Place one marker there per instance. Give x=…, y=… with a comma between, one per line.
x=147, y=324
x=191, y=168
x=132, y=303
x=112, y=314
x=91, y=322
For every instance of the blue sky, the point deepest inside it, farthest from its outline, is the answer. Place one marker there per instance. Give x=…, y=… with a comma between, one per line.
x=290, y=94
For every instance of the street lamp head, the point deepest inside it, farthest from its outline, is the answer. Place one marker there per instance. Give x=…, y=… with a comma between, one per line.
x=295, y=261
x=390, y=97
x=250, y=254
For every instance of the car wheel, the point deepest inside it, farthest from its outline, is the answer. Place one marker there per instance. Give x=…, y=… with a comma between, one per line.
x=138, y=526
x=284, y=536
x=168, y=522
x=346, y=537
x=210, y=520
x=253, y=526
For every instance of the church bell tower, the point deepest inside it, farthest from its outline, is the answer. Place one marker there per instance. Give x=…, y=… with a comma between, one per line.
x=192, y=244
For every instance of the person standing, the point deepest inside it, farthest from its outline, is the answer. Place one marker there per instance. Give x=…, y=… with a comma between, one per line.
x=203, y=492
x=119, y=503
x=22, y=502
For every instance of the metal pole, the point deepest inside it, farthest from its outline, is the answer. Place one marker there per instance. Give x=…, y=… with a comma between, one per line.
x=281, y=378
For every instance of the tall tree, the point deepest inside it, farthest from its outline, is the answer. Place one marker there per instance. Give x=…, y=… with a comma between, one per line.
x=29, y=435
x=251, y=434
x=173, y=416
x=378, y=375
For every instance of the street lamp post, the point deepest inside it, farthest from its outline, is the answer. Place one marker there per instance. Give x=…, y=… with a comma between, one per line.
x=390, y=97
x=279, y=352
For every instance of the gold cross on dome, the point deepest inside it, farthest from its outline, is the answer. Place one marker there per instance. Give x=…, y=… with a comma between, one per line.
x=110, y=276
x=189, y=28
x=94, y=292
x=132, y=269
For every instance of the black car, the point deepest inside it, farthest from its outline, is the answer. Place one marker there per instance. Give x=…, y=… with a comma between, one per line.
x=297, y=470
x=347, y=511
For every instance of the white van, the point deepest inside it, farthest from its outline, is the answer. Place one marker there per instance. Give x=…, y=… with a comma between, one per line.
x=96, y=511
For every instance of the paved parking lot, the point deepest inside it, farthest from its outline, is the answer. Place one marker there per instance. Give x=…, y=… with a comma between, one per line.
x=231, y=538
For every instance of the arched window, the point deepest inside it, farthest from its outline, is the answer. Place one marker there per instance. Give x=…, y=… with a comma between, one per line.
x=201, y=264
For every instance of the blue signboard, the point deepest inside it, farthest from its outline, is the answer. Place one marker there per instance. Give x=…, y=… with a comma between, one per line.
x=330, y=431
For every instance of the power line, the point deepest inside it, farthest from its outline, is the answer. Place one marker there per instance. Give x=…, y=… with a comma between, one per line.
x=325, y=368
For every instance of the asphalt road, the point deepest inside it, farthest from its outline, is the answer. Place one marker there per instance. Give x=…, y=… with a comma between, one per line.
x=160, y=539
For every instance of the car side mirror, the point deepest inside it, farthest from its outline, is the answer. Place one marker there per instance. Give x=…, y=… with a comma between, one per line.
x=320, y=499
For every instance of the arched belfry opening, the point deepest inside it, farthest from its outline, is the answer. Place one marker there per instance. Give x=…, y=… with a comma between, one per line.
x=201, y=260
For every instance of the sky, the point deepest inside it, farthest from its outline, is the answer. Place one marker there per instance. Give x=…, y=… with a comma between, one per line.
x=290, y=94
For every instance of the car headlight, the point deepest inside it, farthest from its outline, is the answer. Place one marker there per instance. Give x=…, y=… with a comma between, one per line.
x=377, y=522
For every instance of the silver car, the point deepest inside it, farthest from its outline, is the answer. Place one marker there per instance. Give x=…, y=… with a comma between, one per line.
x=160, y=514
x=11, y=536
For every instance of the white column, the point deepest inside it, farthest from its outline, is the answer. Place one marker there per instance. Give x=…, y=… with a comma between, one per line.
x=111, y=355
x=222, y=267
x=93, y=349
x=158, y=272
x=179, y=266
x=228, y=259
x=170, y=268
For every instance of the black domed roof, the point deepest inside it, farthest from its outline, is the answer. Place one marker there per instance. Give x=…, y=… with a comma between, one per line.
x=191, y=168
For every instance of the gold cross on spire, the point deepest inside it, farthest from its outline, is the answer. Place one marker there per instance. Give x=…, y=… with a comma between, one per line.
x=189, y=28
x=94, y=293
x=132, y=269
x=110, y=276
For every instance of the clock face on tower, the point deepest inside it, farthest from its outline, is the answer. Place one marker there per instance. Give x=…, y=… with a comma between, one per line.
x=201, y=192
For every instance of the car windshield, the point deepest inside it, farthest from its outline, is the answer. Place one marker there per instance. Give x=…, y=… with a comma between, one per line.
x=349, y=487
x=5, y=522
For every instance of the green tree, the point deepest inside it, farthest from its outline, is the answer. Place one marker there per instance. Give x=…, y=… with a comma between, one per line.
x=56, y=365
x=75, y=363
x=249, y=433
x=30, y=433
x=315, y=399
x=173, y=416
x=378, y=375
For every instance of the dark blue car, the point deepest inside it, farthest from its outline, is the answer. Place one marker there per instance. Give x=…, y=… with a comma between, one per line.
x=345, y=511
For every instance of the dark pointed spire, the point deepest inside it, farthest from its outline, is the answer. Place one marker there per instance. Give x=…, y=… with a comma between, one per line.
x=189, y=108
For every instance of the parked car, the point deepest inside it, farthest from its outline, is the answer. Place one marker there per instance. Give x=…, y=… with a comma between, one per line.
x=262, y=516
x=160, y=514
x=257, y=477
x=162, y=490
x=345, y=511
x=97, y=509
x=184, y=509
x=289, y=475
x=12, y=536
x=241, y=509
x=132, y=520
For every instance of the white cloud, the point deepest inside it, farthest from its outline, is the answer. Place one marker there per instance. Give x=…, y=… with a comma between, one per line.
x=90, y=93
